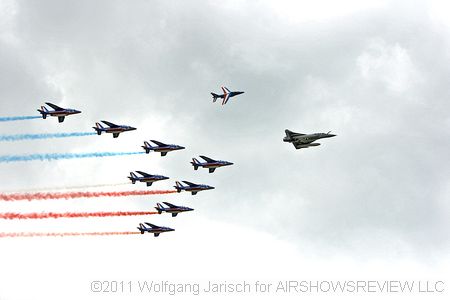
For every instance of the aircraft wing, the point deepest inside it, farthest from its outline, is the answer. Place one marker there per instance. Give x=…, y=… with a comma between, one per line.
x=158, y=143
x=299, y=145
x=225, y=98
x=225, y=90
x=112, y=125
x=189, y=183
x=170, y=205
x=151, y=225
x=143, y=174
x=207, y=158
x=55, y=107
x=289, y=133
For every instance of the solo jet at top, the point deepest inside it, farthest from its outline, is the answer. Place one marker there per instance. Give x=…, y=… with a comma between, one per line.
x=156, y=230
x=191, y=187
x=59, y=112
x=147, y=178
x=112, y=128
x=171, y=209
x=227, y=94
x=300, y=140
x=209, y=163
x=160, y=147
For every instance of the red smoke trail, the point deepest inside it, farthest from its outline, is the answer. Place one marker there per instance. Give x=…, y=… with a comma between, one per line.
x=72, y=195
x=46, y=215
x=62, y=234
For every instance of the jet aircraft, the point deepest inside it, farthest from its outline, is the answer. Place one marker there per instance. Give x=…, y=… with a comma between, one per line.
x=227, y=94
x=59, y=112
x=172, y=209
x=160, y=147
x=112, y=128
x=209, y=163
x=300, y=140
x=147, y=178
x=156, y=230
x=191, y=187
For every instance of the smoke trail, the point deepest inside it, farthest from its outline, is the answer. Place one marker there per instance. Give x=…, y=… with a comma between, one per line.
x=39, y=136
x=62, y=234
x=47, y=215
x=72, y=187
x=58, y=156
x=73, y=195
x=18, y=118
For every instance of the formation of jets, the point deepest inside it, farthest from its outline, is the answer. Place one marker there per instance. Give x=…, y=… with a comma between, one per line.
x=209, y=163
x=147, y=178
x=161, y=147
x=299, y=140
x=227, y=94
x=57, y=111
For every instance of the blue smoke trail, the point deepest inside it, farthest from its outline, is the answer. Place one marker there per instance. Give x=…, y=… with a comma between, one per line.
x=58, y=156
x=18, y=118
x=18, y=137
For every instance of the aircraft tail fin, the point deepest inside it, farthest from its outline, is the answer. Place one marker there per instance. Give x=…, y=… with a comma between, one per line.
x=133, y=177
x=141, y=228
x=43, y=111
x=215, y=96
x=98, y=127
x=147, y=147
x=159, y=208
x=178, y=186
x=195, y=163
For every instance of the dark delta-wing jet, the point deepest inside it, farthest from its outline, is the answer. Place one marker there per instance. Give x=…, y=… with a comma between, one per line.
x=156, y=230
x=191, y=187
x=227, y=94
x=161, y=147
x=59, y=112
x=171, y=209
x=209, y=163
x=147, y=178
x=112, y=128
x=300, y=140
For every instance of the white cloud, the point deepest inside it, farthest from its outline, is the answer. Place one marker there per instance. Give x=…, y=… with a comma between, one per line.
x=389, y=65
x=322, y=10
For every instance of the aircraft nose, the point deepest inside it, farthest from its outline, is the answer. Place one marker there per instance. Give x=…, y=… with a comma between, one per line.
x=181, y=147
x=132, y=128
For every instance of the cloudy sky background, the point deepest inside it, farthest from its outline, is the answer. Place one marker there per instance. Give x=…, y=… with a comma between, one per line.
x=372, y=202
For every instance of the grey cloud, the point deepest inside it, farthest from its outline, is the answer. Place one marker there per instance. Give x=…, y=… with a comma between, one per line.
x=384, y=172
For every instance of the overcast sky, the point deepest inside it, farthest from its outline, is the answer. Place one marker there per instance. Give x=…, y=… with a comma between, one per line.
x=372, y=201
